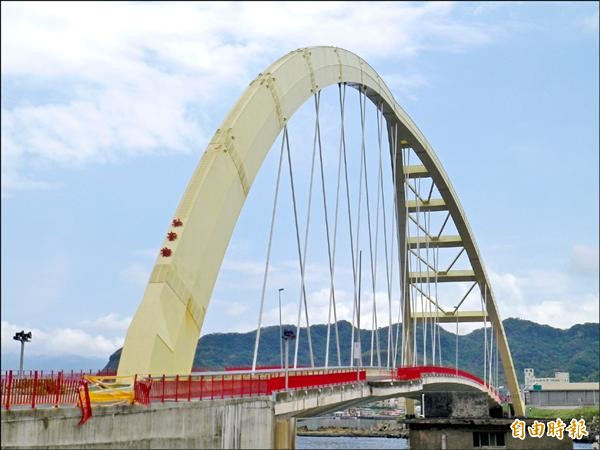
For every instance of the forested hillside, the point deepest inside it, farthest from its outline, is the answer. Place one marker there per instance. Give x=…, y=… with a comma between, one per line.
x=546, y=349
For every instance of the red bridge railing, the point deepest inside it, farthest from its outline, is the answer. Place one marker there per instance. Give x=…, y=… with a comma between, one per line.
x=37, y=388
x=54, y=389
x=233, y=384
x=417, y=372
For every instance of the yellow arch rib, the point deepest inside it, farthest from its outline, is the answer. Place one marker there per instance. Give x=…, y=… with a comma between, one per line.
x=164, y=332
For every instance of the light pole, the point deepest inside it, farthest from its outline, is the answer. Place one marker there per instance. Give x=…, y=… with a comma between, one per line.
x=22, y=337
x=280, y=332
x=287, y=336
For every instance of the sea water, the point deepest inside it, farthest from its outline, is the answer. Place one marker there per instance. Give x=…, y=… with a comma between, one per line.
x=309, y=442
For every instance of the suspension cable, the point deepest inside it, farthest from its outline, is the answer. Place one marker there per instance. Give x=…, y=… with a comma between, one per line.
x=496, y=362
x=439, y=331
x=430, y=318
x=335, y=229
x=374, y=330
x=329, y=253
x=413, y=295
x=435, y=326
x=359, y=346
x=456, y=358
x=490, y=359
x=301, y=260
x=342, y=101
x=484, y=310
x=264, y=283
x=358, y=227
x=385, y=247
x=420, y=278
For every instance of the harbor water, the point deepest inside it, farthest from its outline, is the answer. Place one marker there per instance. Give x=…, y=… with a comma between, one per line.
x=343, y=442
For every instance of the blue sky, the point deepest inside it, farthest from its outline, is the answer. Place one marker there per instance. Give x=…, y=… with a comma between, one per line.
x=107, y=108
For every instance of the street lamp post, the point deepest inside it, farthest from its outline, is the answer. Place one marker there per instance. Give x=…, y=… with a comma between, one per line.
x=287, y=336
x=22, y=337
x=280, y=332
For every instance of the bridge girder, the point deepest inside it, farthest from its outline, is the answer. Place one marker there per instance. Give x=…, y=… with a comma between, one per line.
x=453, y=317
x=441, y=242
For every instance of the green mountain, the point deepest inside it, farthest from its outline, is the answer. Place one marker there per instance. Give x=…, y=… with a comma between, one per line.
x=544, y=348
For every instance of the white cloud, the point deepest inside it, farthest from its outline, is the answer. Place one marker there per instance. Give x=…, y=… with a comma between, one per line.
x=236, y=309
x=544, y=297
x=136, y=273
x=110, y=322
x=318, y=307
x=122, y=79
x=61, y=341
x=249, y=268
x=585, y=259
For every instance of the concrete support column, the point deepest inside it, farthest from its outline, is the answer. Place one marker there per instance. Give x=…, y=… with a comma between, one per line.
x=455, y=404
x=285, y=433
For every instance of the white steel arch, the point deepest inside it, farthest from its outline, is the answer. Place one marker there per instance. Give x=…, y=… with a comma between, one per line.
x=164, y=332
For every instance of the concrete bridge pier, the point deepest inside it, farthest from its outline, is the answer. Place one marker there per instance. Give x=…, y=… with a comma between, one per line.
x=285, y=433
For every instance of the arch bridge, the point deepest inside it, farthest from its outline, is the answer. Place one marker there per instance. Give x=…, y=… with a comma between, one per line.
x=420, y=295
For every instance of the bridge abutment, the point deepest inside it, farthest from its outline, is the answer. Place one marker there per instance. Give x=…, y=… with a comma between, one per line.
x=233, y=423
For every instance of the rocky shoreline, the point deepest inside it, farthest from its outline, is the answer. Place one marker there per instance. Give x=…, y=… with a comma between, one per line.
x=350, y=432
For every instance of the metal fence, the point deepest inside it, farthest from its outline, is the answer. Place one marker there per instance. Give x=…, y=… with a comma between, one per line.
x=237, y=385
x=37, y=388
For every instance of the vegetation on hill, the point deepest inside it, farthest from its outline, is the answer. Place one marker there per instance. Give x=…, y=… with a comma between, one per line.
x=544, y=348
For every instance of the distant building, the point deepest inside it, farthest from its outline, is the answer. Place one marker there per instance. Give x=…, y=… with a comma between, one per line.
x=559, y=391
x=530, y=378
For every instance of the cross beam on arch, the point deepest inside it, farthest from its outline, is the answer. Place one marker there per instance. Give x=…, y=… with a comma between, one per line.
x=164, y=332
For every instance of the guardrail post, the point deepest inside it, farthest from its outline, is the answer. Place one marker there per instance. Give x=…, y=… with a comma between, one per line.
x=212, y=387
x=222, y=386
x=8, y=389
x=189, y=387
x=58, y=389
x=149, y=390
x=134, y=383
x=201, y=379
x=176, y=388
x=35, y=378
x=163, y=389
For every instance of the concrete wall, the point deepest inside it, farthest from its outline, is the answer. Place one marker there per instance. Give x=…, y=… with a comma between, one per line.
x=208, y=424
x=562, y=398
